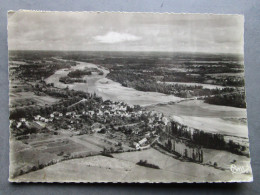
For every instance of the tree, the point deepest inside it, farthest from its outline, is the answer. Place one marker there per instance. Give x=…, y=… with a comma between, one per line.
x=169, y=144
x=186, y=152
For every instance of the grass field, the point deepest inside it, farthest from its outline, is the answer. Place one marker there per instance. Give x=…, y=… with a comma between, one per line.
x=123, y=168
x=224, y=158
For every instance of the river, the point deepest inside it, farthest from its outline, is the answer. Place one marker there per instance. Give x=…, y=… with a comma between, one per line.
x=109, y=89
x=194, y=113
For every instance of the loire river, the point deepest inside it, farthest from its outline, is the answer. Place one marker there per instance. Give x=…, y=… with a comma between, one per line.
x=109, y=89
x=194, y=113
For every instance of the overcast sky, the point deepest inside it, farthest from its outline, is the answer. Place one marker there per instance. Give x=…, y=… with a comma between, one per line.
x=125, y=32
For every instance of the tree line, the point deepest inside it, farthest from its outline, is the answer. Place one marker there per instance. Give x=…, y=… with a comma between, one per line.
x=206, y=139
x=235, y=100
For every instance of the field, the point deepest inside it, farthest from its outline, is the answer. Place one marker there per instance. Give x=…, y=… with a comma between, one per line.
x=42, y=149
x=123, y=168
x=24, y=99
x=21, y=95
x=224, y=158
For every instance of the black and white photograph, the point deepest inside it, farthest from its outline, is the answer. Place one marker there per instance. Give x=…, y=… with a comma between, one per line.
x=127, y=97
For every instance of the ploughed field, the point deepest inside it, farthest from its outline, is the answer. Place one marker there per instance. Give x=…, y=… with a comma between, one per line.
x=44, y=149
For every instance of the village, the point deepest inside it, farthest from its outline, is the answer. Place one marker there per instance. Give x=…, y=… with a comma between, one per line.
x=107, y=118
x=125, y=127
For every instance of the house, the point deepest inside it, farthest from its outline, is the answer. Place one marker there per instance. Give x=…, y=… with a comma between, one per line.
x=127, y=115
x=122, y=108
x=68, y=113
x=106, y=112
x=42, y=119
x=150, y=120
x=143, y=141
x=37, y=124
x=19, y=124
x=100, y=113
x=147, y=134
x=140, y=112
x=55, y=113
x=37, y=117
x=96, y=127
x=137, y=146
x=42, y=125
x=165, y=120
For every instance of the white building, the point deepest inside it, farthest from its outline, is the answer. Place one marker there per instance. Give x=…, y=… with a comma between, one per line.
x=143, y=141
x=37, y=117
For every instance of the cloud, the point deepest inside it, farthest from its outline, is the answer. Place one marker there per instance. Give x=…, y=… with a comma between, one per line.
x=115, y=37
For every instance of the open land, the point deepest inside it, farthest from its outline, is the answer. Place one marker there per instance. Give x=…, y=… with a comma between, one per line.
x=122, y=168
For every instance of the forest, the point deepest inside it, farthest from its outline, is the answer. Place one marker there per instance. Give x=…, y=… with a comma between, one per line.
x=69, y=80
x=79, y=73
x=235, y=100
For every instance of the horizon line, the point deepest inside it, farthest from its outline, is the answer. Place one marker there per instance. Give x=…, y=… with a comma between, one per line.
x=241, y=54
